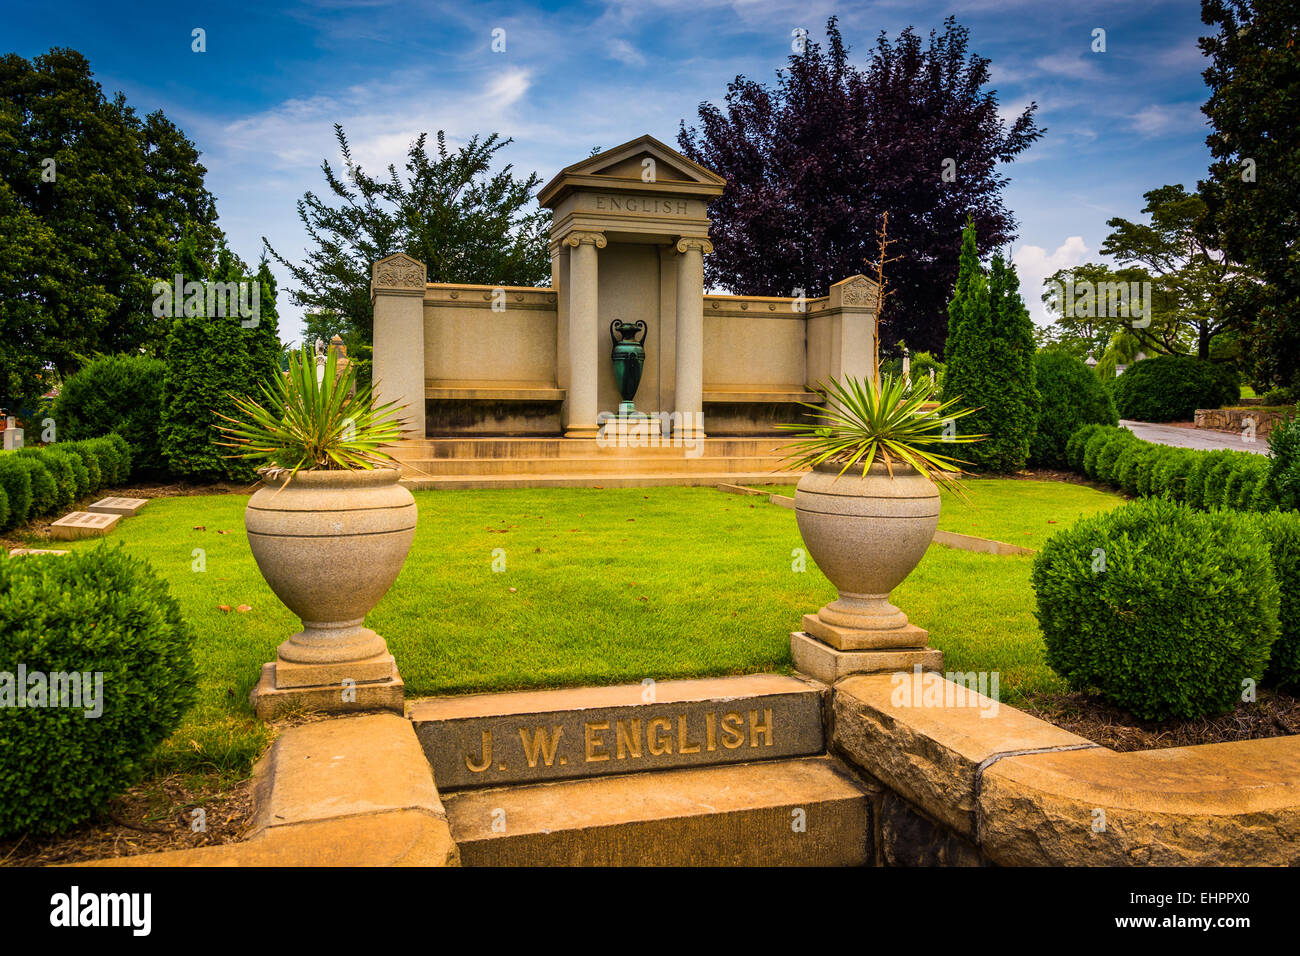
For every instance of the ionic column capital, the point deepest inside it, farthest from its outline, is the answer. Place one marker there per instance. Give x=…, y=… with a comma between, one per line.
x=577, y=238
x=690, y=242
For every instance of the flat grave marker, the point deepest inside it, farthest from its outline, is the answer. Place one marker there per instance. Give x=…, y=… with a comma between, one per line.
x=117, y=506
x=83, y=524
x=19, y=552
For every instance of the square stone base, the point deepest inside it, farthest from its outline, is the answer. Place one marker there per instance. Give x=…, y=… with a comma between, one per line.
x=117, y=506
x=822, y=662
x=270, y=701
x=909, y=636
x=289, y=675
x=82, y=524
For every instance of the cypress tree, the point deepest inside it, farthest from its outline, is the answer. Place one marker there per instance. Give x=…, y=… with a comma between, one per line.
x=990, y=354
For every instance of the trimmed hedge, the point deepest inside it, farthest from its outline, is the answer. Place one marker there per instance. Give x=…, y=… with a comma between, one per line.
x=1072, y=396
x=1169, y=477
x=116, y=394
x=57, y=464
x=45, y=492
x=1171, y=388
x=1074, y=448
x=94, y=477
x=100, y=612
x=1162, y=610
x=1284, y=462
x=17, y=485
x=1281, y=530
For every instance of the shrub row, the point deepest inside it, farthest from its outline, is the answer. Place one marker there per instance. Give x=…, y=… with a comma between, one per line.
x=108, y=618
x=1170, y=612
x=41, y=480
x=1233, y=480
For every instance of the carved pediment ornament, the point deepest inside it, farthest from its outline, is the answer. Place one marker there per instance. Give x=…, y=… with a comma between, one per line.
x=399, y=272
x=857, y=292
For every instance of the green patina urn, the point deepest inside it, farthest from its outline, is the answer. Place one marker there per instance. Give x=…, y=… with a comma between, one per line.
x=628, y=357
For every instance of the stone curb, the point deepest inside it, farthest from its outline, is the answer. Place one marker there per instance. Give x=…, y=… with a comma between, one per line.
x=348, y=791
x=1026, y=792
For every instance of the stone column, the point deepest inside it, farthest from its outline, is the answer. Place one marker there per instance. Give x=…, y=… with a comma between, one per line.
x=689, y=382
x=854, y=303
x=584, y=321
x=397, y=296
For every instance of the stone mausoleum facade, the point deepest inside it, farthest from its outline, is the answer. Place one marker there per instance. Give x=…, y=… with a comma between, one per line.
x=628, y=241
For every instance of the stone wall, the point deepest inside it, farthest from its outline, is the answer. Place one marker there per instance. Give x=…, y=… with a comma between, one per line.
x=1234, y=420
x=974, y=784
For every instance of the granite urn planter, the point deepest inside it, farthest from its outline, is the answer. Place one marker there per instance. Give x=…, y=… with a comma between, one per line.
x=866, y=534
x=330, y=544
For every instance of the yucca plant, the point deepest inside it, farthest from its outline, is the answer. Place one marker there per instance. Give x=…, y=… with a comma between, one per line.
x=303, y=423
x=861, y=423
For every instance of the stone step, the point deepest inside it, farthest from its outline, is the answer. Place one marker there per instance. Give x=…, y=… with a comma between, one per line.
x=609, y=465
x=639, y=480
x=488, y=740
x=808, y=811
x=525, y=448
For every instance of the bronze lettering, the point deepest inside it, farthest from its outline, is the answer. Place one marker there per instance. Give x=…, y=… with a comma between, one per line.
x=733, y=730
x=592, y=733
x=755, y=728
x=663, y=743
x=540, y=743
x=682, y=746
x=487, y=754
x=628, y=743
x=711, y=731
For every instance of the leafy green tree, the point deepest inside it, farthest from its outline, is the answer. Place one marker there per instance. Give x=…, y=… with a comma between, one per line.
x=1252, y=193
x=452, y=212
x=93, y=200
x=991, y=360
x=1176, y=255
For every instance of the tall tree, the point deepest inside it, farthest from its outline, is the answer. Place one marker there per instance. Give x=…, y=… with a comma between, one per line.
x=812, y=163
x=991, y=360
x=1252, y=194
x=465, y=222
x=93, y=201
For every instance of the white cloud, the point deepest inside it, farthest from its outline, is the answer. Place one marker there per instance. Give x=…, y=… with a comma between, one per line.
x=624, y=52
x=1160, y=119
x=1034, y=264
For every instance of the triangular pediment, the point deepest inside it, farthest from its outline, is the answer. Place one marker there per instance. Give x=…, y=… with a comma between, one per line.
x=626, y=164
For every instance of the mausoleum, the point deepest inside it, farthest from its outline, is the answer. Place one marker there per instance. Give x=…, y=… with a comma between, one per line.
x=533, y=381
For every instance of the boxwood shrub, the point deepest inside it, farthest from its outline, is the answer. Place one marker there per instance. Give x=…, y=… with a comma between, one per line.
x=1197, y=477
x=98, y=612
x=1161, y=610
x=1216, y=479
x=1072, y=396
x=1281, y=529
x=17, y=484
x=1246, y=474
x=116, y=394
x=1284, y=463
x=1171, y=388
x=114, y=468
x=1169, y=477
x=1094, y=445
x=60, y=469
x=45, y=492
x=94, y=477
x=1074, y=448
x=1108, y=458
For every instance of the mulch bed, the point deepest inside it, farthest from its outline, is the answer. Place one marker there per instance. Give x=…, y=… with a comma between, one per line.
x=1271, y=715
x=155, y=816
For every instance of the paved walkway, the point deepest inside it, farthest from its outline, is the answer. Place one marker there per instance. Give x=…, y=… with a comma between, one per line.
x=1194, y=437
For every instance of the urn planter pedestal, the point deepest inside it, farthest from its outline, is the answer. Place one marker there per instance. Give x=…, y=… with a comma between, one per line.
x=866, y=534
x=330, y=544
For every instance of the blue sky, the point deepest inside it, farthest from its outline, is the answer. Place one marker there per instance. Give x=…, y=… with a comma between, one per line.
x=261, y=102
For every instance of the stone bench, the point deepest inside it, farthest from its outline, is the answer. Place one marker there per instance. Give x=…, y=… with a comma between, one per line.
x=492, y=408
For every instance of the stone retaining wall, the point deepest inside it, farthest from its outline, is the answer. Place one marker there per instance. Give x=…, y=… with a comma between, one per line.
x=953, y=787
x=1234, y=420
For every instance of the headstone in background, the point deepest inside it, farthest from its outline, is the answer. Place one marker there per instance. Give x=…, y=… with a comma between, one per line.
x=13, y=435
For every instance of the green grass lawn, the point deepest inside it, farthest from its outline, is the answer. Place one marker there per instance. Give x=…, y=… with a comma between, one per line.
x=612, y=585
